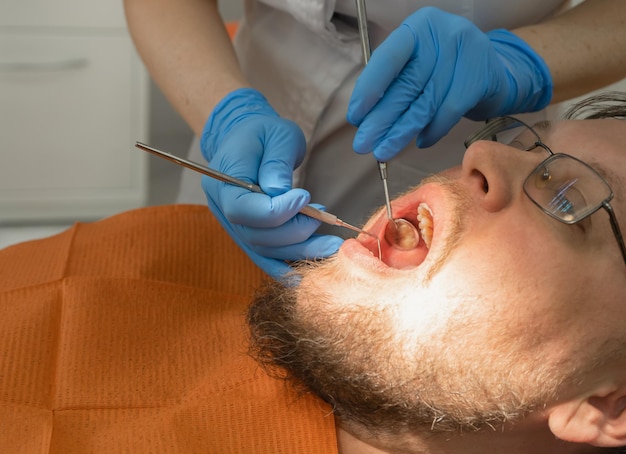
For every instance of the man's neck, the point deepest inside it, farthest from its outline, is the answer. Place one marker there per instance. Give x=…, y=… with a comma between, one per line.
x=536, y=441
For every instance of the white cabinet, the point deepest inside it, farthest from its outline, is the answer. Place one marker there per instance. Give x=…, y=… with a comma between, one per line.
x=73, y=101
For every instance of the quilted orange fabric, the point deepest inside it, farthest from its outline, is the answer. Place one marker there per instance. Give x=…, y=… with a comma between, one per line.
x=127, y=335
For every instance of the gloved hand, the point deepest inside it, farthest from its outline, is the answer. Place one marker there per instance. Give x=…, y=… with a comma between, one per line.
x=245, y=138
x=432, y=70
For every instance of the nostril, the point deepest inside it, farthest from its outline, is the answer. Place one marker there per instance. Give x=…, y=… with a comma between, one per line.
x=482, y=180
x=491, y=189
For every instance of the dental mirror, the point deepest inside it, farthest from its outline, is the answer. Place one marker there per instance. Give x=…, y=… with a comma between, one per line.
x=401, y=234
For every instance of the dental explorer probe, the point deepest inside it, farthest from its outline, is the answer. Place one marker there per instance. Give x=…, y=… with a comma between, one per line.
x=400, y=233
x=308, y=210
x=365, y=45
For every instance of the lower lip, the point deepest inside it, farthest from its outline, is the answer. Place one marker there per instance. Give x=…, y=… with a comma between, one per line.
x=354, y=251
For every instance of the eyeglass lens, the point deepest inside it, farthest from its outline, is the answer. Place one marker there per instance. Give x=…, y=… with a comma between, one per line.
x=566, y=188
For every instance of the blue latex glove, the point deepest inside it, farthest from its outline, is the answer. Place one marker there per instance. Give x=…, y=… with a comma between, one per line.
x=245, y=138
x=432, y=70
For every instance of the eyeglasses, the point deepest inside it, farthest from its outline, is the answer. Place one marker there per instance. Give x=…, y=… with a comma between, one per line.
x=564, y=187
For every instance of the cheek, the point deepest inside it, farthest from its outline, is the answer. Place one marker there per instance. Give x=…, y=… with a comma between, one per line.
x=520, y=252
x=516, y=280
x=523, y=299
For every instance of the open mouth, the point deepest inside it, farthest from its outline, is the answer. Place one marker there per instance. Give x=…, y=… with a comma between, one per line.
x=420, y=215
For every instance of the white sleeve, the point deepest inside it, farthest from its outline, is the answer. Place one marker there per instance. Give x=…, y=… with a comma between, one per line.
x=314, y=14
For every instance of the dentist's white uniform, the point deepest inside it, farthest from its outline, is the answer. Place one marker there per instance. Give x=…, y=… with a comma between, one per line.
x=305, y=55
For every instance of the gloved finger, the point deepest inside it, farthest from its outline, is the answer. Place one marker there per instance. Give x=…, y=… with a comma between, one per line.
x=407, y=127
x=283, y=151
x=264, y=151
x=241, y=157
x=454, y=105
x=294, y=231
x=386, y=62
x=316, y=247
x=439, y=107
x=380, y=122
x=240, y=206
x=447, y=117
x=277, y=269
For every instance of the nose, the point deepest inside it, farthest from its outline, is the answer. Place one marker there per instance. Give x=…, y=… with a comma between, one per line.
x=495, y=173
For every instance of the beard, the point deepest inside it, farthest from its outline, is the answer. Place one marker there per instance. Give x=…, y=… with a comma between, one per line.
x=391, y=383
x=387, y=380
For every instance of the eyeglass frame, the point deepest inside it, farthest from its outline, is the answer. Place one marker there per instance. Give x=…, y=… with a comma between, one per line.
x=501, y=124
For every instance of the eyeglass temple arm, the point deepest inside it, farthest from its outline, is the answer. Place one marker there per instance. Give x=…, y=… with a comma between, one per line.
x=493, y=126
x=615, y=226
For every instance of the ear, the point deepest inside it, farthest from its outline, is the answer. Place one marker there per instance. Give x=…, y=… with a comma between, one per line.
x=598, y=419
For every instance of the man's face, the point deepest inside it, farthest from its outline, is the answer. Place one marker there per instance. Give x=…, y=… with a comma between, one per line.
x=507, y=310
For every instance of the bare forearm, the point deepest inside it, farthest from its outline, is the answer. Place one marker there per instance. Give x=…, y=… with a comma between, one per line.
x=584, y=47
x=186, y=48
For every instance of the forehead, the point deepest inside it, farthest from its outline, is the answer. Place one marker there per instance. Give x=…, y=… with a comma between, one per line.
x=610, y=134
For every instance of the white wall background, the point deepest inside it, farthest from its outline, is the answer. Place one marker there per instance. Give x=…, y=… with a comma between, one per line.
x=164, y=122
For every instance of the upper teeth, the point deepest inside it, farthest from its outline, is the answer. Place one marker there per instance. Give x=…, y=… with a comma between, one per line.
x=425, y=222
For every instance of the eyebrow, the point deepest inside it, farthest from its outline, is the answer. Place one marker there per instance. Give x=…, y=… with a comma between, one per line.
x=611, y=177
x=542, y=127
